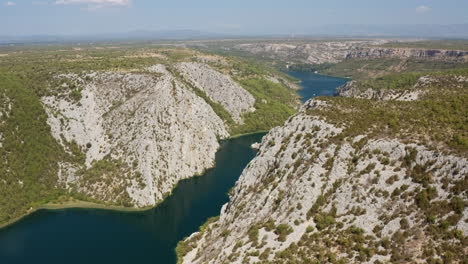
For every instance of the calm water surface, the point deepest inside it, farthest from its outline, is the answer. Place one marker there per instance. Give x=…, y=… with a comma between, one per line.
x=317, y=85
x=99, y=236
x=89, y=236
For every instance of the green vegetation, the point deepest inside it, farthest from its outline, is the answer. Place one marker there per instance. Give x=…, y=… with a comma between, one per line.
x=430, y=44
x=376, y=67
x=302, y=67
x=273, y=104
x=29, y=153
x=391, y=82
x=440, y=116
x=186, y=245
x=217, y=108
x=283, y=230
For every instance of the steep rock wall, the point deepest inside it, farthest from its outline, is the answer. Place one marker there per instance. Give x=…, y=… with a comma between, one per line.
x=157, y=129
x=316, y=193
x=404, y=53
x=219, y=87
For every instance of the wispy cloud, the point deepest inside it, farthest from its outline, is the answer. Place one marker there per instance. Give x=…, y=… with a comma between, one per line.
x=40, y=3
x=94, y=4
x=10, y=3
x=423, y=9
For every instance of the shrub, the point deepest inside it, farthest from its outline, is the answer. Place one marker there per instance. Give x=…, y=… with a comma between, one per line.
x=283, y=230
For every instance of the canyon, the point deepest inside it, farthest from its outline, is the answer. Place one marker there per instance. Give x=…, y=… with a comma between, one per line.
x=325, y=187
x=320, y=52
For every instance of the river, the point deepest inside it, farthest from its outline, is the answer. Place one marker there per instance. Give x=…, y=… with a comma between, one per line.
x=316, y=85
x=103, y=236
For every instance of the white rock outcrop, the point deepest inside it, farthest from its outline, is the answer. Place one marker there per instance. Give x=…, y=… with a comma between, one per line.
x=313, y=52
x=159, y=128
x=368, y=185
x=218, y=87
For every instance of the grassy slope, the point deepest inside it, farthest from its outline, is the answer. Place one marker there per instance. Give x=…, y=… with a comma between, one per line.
x=272, y=104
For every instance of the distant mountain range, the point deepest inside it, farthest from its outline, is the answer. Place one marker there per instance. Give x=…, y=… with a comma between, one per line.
x=411, y=31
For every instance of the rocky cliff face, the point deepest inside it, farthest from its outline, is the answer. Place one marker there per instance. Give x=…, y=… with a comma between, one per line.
x=122, y=126
x=148, y=124
x=337, y=51
x=405, y=53
x=352, y=89
x=327, y=187
x=219, y=87
x=313, y=53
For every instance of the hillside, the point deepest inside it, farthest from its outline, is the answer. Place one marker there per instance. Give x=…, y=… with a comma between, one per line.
x=377, y=175
x=349, y=58
x=120, y=126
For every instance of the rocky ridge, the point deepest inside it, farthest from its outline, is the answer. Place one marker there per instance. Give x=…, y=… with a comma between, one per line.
x=313, y=53
x=337, y=51
x=121, y=126
x=219, y=87
x=318, y=192
x=143, y=127
x=351, y=89
x=406, y=53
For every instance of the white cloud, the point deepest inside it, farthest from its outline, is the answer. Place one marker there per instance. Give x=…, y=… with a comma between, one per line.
x=10, y=3
x=423, y=9
x=94, y=4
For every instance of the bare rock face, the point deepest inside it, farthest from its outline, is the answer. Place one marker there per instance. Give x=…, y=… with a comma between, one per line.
x=313, y=53
x=403, y=53
x=351, y=89
x=218, y=87
x=337, y=51
x=308, y=197
x=149, y=124
x=416, y=92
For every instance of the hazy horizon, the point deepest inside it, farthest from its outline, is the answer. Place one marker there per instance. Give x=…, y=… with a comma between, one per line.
x=261, y=17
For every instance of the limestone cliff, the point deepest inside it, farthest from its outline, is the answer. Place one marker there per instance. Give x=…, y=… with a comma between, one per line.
x=351, y=180
x=319, y=52
x=121, y=126
x=219, y=87
x=405, y=53
x=148, y=122
x=312, y=52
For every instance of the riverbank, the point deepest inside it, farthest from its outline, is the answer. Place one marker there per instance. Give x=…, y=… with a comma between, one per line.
x=314, y=84
x=76, y=204
x=122, y=237
x=246, y=134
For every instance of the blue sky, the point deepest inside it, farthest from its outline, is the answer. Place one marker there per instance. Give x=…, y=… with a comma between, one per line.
x=26, y=17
